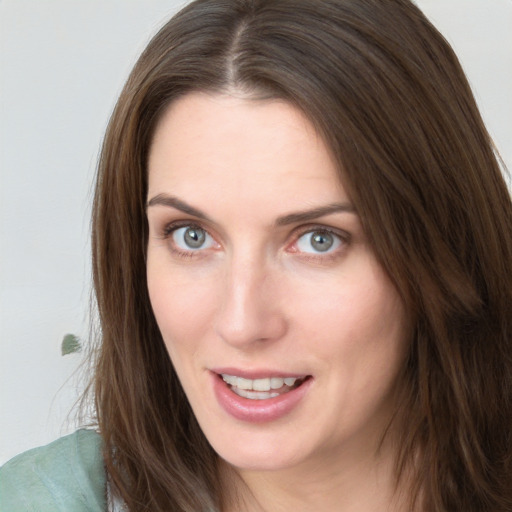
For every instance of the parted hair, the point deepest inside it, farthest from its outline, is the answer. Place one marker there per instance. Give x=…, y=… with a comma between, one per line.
x=388, y=95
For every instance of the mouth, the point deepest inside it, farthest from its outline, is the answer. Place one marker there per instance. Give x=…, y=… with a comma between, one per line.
x=263, y=388
x=259, y=396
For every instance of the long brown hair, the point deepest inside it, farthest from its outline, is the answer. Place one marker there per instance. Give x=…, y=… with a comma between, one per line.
x=388, y=95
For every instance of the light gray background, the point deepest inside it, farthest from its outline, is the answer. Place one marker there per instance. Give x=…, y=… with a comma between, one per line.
x=62, y=65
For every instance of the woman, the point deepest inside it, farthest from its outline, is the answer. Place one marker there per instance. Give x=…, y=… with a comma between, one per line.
x=301, y=242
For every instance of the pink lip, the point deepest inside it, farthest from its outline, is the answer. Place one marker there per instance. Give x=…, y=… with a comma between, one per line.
x=257, y=411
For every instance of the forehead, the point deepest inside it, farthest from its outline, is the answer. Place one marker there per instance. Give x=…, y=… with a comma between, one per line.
x=231, y=145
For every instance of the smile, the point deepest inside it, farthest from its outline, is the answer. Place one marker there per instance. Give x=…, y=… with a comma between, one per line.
x=264, y=398
x=261, y=389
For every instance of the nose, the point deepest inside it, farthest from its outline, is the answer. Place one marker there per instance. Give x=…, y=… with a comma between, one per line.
x=250, y=309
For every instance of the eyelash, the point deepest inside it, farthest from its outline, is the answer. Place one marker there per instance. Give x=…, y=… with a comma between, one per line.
x=342, y=236
x=171, y=228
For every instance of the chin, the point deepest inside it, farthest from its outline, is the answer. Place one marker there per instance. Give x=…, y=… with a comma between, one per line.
x=261, y=451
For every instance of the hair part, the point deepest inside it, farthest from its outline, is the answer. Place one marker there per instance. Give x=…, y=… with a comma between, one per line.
x=390, y=99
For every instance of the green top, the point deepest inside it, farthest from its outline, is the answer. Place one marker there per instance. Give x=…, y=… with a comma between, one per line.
x=67, y=475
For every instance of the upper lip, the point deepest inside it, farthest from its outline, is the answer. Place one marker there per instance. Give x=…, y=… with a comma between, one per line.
x=257, y=373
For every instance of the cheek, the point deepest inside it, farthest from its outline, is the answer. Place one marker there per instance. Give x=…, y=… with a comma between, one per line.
x=183, y=308
x=374, y=314
x=358, y=320
x=361, y=340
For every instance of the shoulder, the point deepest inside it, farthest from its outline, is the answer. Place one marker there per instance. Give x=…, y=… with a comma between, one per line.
x=66, y=475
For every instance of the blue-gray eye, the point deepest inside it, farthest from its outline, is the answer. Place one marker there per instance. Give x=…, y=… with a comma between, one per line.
x=319, y=241
x=192, y=238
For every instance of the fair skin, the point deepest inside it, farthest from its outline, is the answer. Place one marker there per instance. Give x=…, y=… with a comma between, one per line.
x=258, y=267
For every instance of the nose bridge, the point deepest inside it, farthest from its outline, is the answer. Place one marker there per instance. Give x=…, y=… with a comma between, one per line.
x=248, y=309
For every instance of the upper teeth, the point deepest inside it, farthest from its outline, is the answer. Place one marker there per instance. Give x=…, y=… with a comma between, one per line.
x=259, y=384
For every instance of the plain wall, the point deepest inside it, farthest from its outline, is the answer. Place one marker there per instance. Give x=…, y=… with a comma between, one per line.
x=62, y=65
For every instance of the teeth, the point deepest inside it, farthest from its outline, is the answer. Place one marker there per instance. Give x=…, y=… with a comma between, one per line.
x=230, y=379
x=255, y=395
x=276, y=383
x=242, y=383
x=258, y=384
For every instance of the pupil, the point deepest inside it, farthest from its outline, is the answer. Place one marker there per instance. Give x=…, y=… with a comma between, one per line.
x=194, y=237
x=321, y=241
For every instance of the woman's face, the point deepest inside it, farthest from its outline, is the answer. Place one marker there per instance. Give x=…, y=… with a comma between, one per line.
x=285, y=332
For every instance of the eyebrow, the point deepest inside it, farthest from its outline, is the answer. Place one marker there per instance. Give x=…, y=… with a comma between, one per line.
x=315, y=213
x=291, y=218
x=178, y=204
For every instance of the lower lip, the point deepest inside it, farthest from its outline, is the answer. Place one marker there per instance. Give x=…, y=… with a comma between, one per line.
x=258, y=411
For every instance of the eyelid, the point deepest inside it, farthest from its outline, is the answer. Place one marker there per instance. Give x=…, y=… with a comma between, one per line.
x=168, y=230
x=170, y=227
x=298, y=233
x=311, y=228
